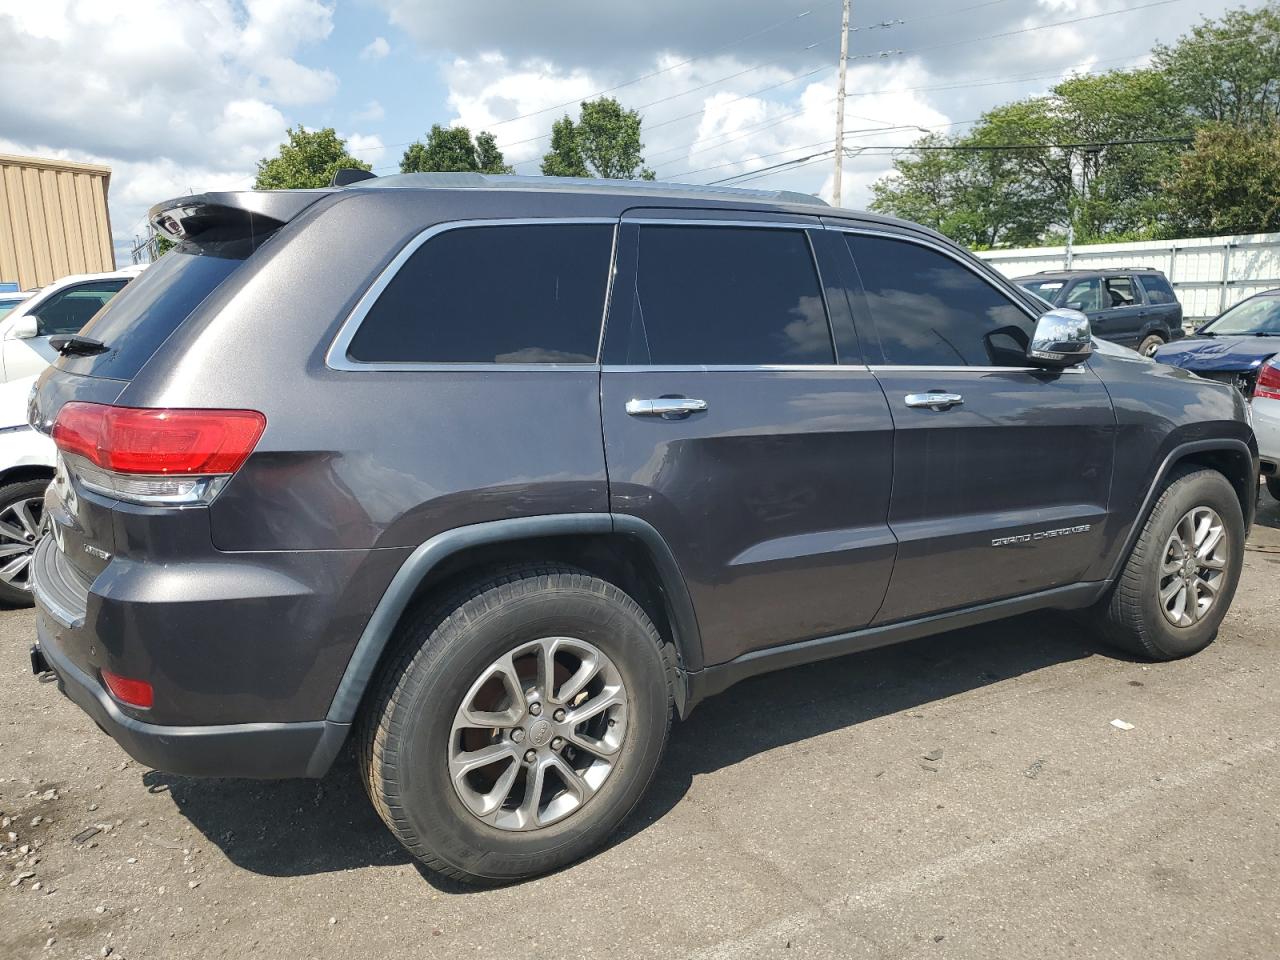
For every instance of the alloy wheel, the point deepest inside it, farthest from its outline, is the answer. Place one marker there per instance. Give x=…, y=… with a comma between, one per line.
x=21, y=525
x=538, y=733
x=1193, y=567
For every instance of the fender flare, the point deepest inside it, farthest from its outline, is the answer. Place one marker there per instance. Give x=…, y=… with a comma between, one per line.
x=399, y=593
x=1227, y=444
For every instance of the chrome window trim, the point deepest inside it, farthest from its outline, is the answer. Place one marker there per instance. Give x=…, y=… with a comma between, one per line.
x=735, y=368
x=960, y=368
x=336, y=356
x=814, y=224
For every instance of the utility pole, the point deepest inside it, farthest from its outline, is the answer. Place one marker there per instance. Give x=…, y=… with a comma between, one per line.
x=844, y=64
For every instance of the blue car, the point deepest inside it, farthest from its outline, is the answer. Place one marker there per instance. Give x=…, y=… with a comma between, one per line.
x=1242, y=347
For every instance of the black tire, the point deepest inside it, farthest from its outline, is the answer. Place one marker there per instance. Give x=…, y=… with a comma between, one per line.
x=1150, y=343
x=18, y=592
x=1273, y=486
x=443, y=650
x=1132, y=618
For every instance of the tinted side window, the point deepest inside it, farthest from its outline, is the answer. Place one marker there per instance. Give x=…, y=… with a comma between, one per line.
x=522, y=293
x=1120, y=293
x=69, y=310
x=727, y=295
x=929, y=310
x=1086, y=295
x=1157, y=288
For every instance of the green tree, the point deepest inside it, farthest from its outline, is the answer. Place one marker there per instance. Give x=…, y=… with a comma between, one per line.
x=1228, y=70
x=452, y=150
x=1229, y=182
x=564, y=159
x=605, y=142
x=308, y=158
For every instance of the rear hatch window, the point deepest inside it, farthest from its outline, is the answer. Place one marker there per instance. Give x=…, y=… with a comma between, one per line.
x=143, y=315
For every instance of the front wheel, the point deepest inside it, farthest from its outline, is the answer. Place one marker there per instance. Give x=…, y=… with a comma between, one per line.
x=1179, y=581
x=522, y=721
x=1150, y=345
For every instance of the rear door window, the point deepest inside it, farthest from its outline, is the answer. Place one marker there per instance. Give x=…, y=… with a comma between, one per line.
x=1157, y=289
x=509, y=293
x=723, y=296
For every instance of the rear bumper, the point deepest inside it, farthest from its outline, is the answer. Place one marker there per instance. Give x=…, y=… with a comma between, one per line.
x=260, y=750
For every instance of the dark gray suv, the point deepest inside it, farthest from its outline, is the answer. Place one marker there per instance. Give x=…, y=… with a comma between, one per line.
x=1134, y=307
x=493, y=476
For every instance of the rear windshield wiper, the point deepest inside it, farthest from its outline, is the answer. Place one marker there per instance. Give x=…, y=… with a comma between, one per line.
x=74, y=345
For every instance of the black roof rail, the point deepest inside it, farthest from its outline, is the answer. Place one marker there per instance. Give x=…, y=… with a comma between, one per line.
x=345, y=176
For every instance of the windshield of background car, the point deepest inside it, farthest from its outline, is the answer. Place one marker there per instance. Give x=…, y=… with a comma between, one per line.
x=6, y=306
x=1046, y=290
x=1259, y=316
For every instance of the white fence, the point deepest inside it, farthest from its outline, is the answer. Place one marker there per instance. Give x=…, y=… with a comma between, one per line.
x=1208, y=274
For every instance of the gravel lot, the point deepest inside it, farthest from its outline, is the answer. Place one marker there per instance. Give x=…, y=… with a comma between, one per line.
x=797, y=815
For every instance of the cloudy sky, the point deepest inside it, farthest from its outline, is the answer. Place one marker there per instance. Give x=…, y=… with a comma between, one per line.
x=185, y=95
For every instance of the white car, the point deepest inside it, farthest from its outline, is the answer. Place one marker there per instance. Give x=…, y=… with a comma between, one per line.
x=63, y=307
x=1266, y=422
x=26, y=467
x=10, y=299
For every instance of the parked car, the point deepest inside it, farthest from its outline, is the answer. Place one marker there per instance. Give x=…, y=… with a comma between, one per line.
x=26, y=467
x=1241, y=346
x=1132, y=307
x=10, y=299
x=549, y=460
x=61, y=308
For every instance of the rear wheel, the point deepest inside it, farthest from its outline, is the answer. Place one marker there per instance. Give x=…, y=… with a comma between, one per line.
x=1150, y=344
x=1273, y=486
x=521, y=723
x=21, y=526
x=1179, y=581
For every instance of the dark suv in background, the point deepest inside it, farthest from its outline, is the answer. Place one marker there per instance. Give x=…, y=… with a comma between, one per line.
x=492, y=476
x=1132, y=307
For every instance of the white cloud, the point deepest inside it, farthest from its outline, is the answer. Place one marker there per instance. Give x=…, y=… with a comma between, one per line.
x=173, y=95
x=371, y=113
x=366, y=146
x=376, y=49
x=712, y=133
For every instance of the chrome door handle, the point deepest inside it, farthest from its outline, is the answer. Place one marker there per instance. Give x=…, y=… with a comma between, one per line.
x=669, y=408
x=934, y=401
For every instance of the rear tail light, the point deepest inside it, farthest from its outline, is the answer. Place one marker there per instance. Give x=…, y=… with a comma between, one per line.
x=1268, y=384
x=136, y=693
x=155, y=455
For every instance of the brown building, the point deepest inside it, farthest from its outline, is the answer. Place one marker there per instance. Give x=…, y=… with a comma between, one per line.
x=53, y=220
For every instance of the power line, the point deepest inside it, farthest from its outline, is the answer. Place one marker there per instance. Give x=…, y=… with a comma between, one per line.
x=1012, y=33
x=648, y=76
x=819, y=158
x=995, y=36
x=656, y=73
x=821, y=154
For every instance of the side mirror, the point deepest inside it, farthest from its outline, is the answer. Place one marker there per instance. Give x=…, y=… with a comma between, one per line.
x=25, y=327
x=1062, y=339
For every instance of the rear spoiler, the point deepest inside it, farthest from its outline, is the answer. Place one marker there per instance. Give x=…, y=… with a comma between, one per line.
x=225, y=216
